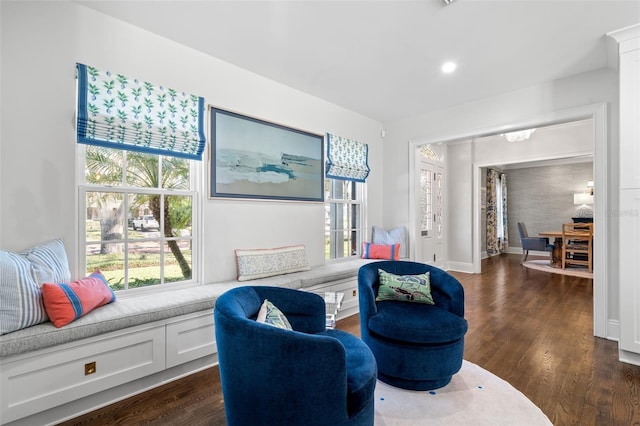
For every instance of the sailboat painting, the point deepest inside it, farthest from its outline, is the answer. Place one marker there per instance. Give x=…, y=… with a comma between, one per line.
x=256, y=159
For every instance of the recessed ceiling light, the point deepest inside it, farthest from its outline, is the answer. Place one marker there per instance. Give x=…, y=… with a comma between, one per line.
x=449, y=67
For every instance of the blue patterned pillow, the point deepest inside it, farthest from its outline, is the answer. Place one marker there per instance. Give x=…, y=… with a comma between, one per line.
x=21, y=278
x=270, y=314
x=405, y=288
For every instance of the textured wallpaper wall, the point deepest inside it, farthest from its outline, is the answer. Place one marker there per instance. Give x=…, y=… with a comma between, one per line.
x=542, y=197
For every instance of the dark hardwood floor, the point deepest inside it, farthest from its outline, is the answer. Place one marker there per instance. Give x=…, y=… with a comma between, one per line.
x=531, y=328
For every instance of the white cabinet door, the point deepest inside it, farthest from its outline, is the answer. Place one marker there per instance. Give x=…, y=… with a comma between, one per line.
x=629, y=214
x=48, y=378
x=630, y=270
x=630, y=119
x=190, y=338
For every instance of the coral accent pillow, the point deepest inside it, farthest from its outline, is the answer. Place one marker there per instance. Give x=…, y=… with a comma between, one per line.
x=67, y=302
x=392, y=236
x=380, y=251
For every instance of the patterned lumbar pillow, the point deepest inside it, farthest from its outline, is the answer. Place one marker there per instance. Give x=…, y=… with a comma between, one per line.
x=261, y=263
x=66, y=302
x=406, y=288
x=270, y=314
x=21, y=277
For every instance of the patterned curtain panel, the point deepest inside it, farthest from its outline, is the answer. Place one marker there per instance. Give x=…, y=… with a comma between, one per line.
x=497, y=229
x=346, y=159
x=493, y=244
x=505, y=223
x=118, y=112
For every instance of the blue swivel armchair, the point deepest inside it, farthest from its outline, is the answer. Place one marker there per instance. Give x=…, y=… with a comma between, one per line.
x=532, y=243
x=305, y=376
x=417, y=346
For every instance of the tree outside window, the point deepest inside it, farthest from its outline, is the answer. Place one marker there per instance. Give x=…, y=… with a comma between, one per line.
x=138, y=229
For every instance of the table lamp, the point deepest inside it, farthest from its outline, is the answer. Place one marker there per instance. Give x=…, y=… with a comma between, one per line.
x=583, y=201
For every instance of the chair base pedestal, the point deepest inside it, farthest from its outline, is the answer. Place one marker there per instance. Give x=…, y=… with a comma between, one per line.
x=415, y=367
x=416, y=385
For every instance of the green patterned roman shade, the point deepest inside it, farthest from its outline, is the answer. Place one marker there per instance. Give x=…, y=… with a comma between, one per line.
x=346, y=159
x=118, y=112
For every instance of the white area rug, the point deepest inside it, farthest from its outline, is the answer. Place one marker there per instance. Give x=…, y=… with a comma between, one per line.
x=543, y=265
x=473, y=397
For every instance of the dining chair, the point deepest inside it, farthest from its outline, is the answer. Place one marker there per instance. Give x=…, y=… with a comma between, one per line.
x=532, y=243
x=577, y=245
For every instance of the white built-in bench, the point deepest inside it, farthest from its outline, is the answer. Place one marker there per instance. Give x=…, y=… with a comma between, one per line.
x=50, y=374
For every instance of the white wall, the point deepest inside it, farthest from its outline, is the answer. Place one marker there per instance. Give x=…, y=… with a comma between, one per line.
x=559, y=141
x=459, y=203
x=42, y=41
x=542, y=197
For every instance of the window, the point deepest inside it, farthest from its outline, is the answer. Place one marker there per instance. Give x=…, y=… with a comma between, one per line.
x=138, y=143
x=139, y=216
x=343, y=218
x=346, y=172
x=426, y=201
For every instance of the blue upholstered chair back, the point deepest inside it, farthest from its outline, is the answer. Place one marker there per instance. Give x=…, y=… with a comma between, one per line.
x=274, y=376
x=532, y=243
x=445, y=289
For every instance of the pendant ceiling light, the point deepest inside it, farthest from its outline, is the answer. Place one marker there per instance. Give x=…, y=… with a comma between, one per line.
x=519, y=136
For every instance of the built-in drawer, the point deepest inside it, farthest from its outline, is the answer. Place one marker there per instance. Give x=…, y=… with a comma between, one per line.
x=190, y=338
x=47, y=378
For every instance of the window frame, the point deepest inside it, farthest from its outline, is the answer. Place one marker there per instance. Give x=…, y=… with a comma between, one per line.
x=360, y=229
x=195, y=184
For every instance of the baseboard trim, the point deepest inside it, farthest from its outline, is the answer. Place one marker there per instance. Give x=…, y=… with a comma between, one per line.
x=613, y=330
x=518, y=250
x=460, y=267
x=629, y=357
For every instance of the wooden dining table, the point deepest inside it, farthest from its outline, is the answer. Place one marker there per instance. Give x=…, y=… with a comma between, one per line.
x=556, y=253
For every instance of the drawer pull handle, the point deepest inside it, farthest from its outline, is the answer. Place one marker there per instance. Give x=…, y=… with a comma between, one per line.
x=89, y=368
x=354, y=293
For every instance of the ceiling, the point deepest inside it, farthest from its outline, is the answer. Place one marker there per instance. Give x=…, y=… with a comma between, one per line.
x=383, y=58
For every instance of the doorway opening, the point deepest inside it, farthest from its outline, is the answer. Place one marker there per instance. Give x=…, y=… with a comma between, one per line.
x=468, y=256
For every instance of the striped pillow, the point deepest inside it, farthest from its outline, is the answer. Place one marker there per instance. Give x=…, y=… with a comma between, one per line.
x=21, y=277
x=66, y=302
x=380, y=251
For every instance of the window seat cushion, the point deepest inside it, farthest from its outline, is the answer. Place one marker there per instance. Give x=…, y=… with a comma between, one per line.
x=130, y=311
x=125, y=312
